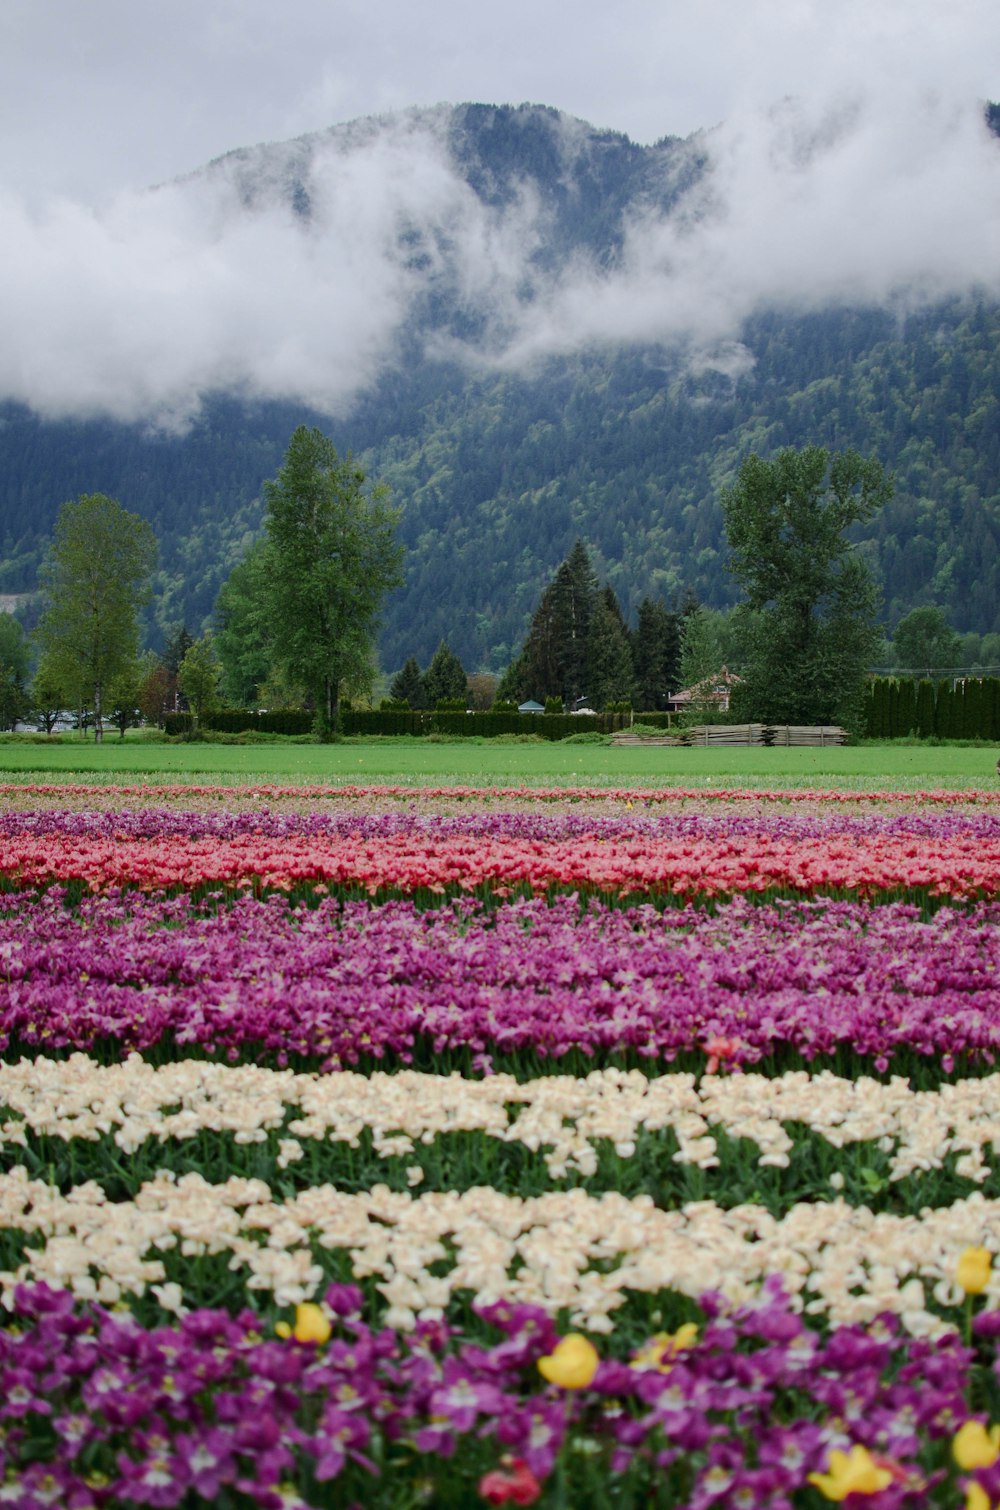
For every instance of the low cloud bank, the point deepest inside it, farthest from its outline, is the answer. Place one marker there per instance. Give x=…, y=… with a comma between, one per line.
x=140, y=310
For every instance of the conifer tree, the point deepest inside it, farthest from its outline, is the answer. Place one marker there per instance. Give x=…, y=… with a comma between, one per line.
x=656, y=654
x=445, y=679
x=610, y=670
x=407, y=685
x=553, y=662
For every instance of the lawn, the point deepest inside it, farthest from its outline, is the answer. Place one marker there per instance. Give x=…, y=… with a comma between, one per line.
x=496, y=763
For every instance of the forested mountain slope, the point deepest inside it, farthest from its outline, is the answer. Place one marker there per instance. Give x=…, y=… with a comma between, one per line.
x=500, y=465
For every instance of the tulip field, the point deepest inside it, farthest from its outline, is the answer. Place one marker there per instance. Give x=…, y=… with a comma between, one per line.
x=389, y=1146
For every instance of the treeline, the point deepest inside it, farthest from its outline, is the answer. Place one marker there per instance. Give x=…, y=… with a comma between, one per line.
x=396, y=721
x=903, y=708
x=497, y=475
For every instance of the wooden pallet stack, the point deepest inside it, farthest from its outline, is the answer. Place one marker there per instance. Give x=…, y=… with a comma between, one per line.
x=783, y=735
x=806, y=734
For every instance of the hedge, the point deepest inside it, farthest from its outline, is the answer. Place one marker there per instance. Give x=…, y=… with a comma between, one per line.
x=901, y=708
x=244, y=721
x=398, y=721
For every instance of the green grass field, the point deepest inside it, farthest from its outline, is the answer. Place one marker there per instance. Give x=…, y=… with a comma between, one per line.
x=422, y=763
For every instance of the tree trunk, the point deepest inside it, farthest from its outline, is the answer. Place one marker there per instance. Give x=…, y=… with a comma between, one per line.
x=98, y=726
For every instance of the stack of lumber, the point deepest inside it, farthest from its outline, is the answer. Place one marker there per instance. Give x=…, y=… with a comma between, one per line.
x=724, y=734
x=626, y=737
x=819, y=735
x=797, y=734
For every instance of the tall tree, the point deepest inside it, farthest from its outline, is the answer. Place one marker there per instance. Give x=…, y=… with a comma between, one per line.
x=445, y=679
x=810, y=607
x=331, y=556
x=96, y=579
x=242, y=638
x=700, y=647
x=408, y=685
x=610, y=669
x=553, y=662
x=13, y=671
x=198, y=678
x=926, y=644
x=656, y=654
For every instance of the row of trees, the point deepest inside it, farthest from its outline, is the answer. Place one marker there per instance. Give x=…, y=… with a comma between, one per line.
x=579, y=648
x=297, y=618
x=301, y=610
x=804, y=635
x=901, y=707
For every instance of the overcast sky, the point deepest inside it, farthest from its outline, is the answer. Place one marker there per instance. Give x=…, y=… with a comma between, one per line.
x=842, y=121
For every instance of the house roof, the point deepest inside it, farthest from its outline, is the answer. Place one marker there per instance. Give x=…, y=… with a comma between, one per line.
x=718, y=685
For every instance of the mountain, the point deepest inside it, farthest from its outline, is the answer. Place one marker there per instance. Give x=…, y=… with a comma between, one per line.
x=488, y=385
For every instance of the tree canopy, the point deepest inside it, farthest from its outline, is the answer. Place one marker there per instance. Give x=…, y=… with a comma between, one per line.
x=926, y=644
x=445, y=679
x=306, y=602
x=809, y=631
x=13, y=671
x=95, y=580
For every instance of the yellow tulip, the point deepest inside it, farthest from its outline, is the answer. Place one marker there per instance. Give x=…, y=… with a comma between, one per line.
x=975, y=1447
x=661, y=1350
x=973, y=1272
x=572, y=1364
x=311, y=1324
x=976, y=1497
x=854, y=1472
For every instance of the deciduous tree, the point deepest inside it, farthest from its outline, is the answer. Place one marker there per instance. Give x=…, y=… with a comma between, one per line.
x=13, y=671
x=331, y=555
x=926, y=644
x=95, y=580
x=809, y=616
x=198, y=678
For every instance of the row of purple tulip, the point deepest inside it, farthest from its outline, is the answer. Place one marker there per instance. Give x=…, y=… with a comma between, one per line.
x=742, y=1408
x=348, y=983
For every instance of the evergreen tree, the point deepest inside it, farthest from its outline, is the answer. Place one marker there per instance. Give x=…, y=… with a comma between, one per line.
x=656, y=654
x=444, y=679
x=925, y=708
x=408, y=685
x=610, y=669
x=553, y=662
x=177, y=647
x=576, y=596
x=242, y=638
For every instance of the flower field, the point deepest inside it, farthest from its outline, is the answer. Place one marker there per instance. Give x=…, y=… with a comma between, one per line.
x=394, y=1147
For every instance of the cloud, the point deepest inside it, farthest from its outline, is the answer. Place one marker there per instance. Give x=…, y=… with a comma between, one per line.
x=858, y=200
x=143, y=307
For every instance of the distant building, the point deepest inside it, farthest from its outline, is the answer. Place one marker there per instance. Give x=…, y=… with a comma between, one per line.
x=710, y=692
